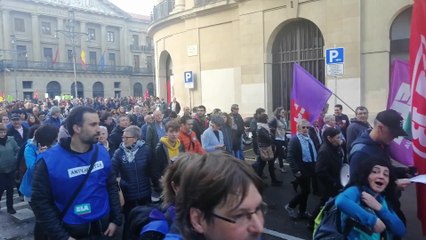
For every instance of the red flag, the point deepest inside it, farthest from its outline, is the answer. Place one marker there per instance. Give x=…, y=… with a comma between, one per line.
x=55, y=59
x=308, y=97
x=418, y=94
x=36, y=94
x=146, y=97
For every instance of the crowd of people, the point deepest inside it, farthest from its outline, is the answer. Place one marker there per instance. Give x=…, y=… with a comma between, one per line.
x=119, y=154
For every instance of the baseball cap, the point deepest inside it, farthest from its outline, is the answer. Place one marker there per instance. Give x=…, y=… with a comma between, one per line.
x=15, y=116
x=393, y=120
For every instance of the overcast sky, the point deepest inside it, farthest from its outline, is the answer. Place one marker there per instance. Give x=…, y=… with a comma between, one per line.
x=135, y=6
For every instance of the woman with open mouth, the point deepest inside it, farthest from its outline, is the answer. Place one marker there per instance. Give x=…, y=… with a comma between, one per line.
x=367, y=204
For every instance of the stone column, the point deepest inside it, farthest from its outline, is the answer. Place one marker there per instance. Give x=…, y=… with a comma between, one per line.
x=103, y=39
x=124, y=46
x=63, y=51
x=179, y=6
x=37, y=56
x=6, y=33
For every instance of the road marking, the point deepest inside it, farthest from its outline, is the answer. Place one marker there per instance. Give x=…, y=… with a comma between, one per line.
x=280, y=235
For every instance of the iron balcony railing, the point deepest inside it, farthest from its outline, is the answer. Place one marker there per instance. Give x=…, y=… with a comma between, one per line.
x=11, y=65
x=163, y=9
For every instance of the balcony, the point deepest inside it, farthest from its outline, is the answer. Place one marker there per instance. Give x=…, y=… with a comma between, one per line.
x=9, y=65
x=201, y=3
x=135, y=48
x=148, y=49
x=163, y=9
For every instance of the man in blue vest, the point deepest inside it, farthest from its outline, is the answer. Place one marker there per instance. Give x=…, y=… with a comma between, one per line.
x=95, y=211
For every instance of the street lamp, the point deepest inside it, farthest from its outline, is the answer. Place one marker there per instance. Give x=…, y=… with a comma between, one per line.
x=73, y=36
x=15, y=62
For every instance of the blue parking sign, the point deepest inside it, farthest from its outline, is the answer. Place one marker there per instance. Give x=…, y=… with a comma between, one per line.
x=334, y=55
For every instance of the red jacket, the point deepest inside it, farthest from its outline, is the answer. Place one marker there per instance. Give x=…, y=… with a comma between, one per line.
x=190, y=142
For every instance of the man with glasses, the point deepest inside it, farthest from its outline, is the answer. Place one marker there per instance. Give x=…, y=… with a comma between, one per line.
x=156, y=130
x=219, y=197
x=358, y=125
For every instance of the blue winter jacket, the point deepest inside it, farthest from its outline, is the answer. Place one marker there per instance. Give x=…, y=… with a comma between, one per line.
x=135, y=175
x=349, y=203
x=30, y=155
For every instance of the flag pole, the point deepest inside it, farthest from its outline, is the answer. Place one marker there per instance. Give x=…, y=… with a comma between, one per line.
x=343, y=102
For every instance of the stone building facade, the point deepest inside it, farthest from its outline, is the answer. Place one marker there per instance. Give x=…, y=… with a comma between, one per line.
x=243, y=51
x=41, y=38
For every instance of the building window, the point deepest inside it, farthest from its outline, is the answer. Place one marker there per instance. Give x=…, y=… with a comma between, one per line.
x=27, y=84
x=135, y=42
x=111, y=59
x=148, y=41
x=28, y=95
x=136, y=62
x=116, y=84
x=70, y=57
x=149, y=63
x=92, y=58
x=48, y=53
x=19, y=25
x=46, y=28
x=117, y=94
x=110, y=36
x=91, y=32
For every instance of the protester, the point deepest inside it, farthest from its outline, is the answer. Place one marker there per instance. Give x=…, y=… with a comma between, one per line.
x=226, y=129
x=103, y=139
x=44, y=138
x=342, y=120
x=278, y=125
x=18, y=131
x=8, y=166
x=131, y=163
x=265, y=139
x=357, y=126
x=95, y=212
x=219, y=197
x=212, y=138
x=200, y=121
x=54, y=117
x=175, y=106
x=327, y=169
x=148, y=121
x=155, y=131
x=375, y=143
x=237, y=132
x=301, y=156
x=368, y=201
x=187, y=137
x=253, y=130
x=117, y=132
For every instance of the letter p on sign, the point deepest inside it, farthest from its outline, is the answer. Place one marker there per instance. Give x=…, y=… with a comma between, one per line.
x=334, y=55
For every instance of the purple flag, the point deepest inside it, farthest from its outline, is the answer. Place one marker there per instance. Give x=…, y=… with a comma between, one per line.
x=308, y=97
x=399, y=99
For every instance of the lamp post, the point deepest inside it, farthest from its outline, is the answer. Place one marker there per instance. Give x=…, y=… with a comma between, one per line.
x=71, y=34
x=15, y=62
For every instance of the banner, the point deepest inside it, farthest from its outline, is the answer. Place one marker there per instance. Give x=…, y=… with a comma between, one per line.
x=55, y=59
x=146, y=97
x=418, y=94
x=35, y=94
x=399, y=99
x=102, y=62
x=308, y=97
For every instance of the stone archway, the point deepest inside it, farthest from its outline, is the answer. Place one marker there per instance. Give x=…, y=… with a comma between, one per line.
x=53, y=89
x=80, y=90
x=299, y=41
x=165, y=73
x=98, y=89
x=400, y=36
x=137, y=90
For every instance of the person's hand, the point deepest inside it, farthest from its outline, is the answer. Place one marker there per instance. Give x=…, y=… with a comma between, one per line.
x=370, y=201
x=298, y=174
x=110, y=230
x=379, y=226
x=403, y=183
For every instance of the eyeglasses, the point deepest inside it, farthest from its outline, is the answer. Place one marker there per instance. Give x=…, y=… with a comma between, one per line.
x=244, y=218
x=124, y=137
x=304, y=127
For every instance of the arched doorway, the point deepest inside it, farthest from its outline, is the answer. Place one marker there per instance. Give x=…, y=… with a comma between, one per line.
x=53, y=89
x=299, y=41
x=98, y=89
x=400, y=35
x=165, y=75
x=137, y=90
x=150, y=88
x=80, y=90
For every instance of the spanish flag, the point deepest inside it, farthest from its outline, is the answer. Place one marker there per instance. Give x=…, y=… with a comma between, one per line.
x=83, y=60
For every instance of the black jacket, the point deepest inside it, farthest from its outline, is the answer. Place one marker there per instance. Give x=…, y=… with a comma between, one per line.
x=160, y=163
x=115, y=137
x=327, y=169
x=355, y=129
x=264, y=138
x=15, y=134
x=294, y=157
